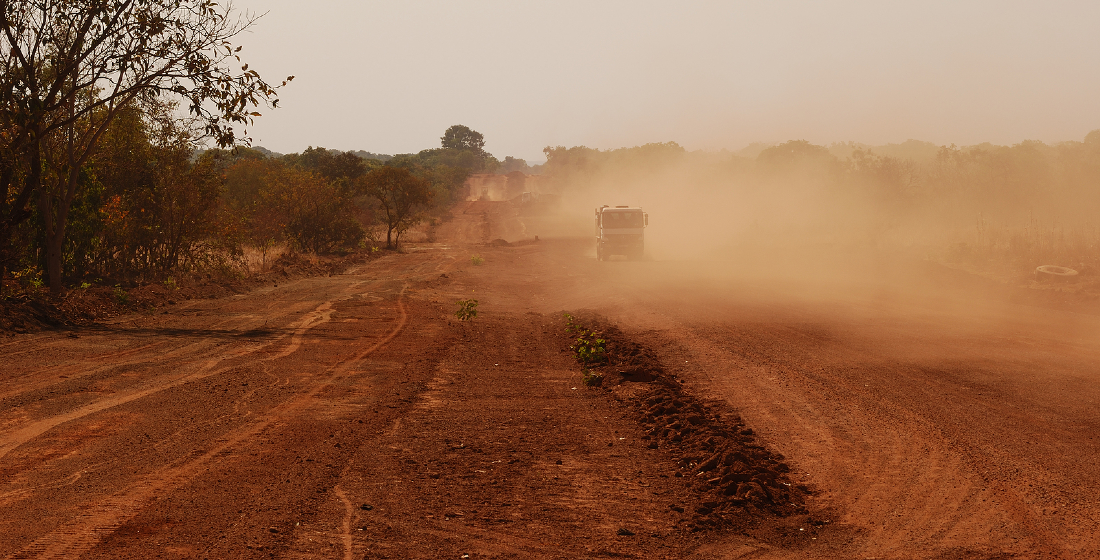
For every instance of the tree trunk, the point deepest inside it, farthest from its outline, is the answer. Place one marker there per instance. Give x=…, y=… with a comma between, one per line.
x=53, y=261
x=55, y=216
x=54, y=236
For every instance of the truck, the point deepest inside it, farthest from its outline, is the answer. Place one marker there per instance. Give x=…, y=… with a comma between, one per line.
x=620, y=230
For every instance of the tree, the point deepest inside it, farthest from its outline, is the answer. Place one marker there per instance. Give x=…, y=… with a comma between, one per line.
x=69, y=67
x=147, y=209
x=511, y=164
x=447, y=180
x=402, y=196
x=339, y=168
x=315, y=215
x=461, y=137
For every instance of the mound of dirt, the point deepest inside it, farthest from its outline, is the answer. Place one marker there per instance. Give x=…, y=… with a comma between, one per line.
x=739, y=481
x=28, y=313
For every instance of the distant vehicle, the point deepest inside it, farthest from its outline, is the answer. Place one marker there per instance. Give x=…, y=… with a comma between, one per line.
x=620, y=231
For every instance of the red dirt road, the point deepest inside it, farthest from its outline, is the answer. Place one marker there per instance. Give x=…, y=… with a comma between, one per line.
x=352, y=416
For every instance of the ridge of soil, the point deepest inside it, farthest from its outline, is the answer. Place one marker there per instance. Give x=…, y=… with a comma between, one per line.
x=736, y=483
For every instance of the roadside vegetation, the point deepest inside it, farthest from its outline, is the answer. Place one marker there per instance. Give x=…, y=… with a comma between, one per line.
x=124, y=155
x=467, y=309
x=123, y=162
x=589, y=349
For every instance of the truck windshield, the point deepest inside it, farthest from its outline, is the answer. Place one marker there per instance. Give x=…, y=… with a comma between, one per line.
x=622, y=220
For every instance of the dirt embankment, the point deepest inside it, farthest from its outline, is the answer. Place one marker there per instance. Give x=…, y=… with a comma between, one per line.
x=734, y=482
x=35, y=310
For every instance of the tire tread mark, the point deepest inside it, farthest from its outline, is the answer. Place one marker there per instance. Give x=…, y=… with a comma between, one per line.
x=90, y=527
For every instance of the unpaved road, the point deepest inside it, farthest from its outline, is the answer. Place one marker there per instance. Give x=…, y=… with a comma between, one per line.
x=352, y=416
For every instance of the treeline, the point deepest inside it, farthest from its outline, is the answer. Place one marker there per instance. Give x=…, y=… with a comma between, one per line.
x=149, y=206
x=804, y=193
x=1026, y=179
x=101, y=108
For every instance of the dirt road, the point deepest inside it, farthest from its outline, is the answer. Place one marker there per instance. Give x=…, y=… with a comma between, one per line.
x=353, y=416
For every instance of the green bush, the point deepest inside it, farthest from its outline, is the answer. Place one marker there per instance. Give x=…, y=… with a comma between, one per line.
x=588, y=348
x=121, y=296
x=467, y=309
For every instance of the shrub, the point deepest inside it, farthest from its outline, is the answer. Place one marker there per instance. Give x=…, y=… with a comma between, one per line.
x=467, y=309
x=588, y=348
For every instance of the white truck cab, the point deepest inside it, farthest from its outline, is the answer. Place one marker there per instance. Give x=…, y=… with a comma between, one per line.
x=620, y=230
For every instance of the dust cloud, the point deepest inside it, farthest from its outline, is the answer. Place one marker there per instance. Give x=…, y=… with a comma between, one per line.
x=1000, y=211
x=897, y=230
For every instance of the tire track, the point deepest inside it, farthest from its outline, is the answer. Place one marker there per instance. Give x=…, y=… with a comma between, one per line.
x=349, y=513
x=91, y=526
x=892, y=468
x=10, y=441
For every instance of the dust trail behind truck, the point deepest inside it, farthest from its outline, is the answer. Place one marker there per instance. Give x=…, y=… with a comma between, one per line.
x=620, y=231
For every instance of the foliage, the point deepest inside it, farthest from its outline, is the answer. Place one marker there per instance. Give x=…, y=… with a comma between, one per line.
x=580, y=166
x=467, y=309
x=511, y=165
x=272, y=202
x=70, y=68
x=477, y=260
x=341, y=169
x=461, y=149
x=588, y=347
x=461, y=137
x=402, y=196
x=315, y=215
x=145, y=207
x=446, y=176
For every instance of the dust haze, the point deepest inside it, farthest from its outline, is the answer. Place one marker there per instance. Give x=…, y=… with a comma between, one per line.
x=801, y=209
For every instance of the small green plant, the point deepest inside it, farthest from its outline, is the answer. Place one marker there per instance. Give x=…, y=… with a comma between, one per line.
x=477, y=260
x=85, y=285
x=588, y=348
x=121, y=296
x=170, y=283
x=591, y=378
x=467, y=309
x=30, y=276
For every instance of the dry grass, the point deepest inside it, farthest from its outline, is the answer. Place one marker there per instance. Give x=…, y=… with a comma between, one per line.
x=1013, y=252
x=256, y=260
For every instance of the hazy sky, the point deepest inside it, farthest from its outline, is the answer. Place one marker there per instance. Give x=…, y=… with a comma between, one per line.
x=391, y=76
